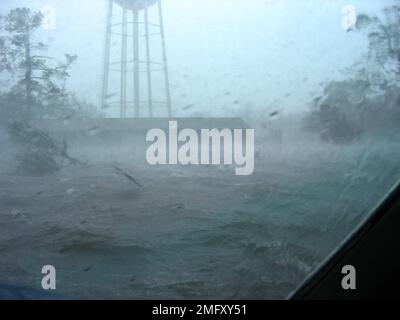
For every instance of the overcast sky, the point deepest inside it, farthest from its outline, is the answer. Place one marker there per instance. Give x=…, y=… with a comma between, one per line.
x=225, y=55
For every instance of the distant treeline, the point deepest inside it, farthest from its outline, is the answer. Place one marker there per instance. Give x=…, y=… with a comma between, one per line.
x=369, y=100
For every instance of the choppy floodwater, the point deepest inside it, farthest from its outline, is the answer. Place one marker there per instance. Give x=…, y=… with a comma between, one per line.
x=189, y=232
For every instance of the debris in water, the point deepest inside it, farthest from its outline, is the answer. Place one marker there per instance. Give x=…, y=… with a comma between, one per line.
x=178, y=206
x=128, y=176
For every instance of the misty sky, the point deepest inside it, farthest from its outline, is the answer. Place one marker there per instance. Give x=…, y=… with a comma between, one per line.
x=225, y=56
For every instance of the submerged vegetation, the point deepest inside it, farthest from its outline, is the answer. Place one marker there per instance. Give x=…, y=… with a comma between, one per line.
x=369, y=100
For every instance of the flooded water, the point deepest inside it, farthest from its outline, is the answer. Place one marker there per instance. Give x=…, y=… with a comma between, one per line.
x=189, y=232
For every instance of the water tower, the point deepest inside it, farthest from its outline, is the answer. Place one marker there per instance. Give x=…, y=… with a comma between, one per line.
x=132, y=74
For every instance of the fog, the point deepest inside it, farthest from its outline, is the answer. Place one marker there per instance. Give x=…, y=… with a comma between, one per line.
x=263, y=54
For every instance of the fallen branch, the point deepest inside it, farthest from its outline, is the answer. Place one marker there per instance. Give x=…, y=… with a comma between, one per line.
x=128, y=176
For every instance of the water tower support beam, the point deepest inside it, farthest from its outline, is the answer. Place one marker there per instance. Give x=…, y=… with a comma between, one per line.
x=107, y=54
x=124, y=62
x=136, y=63
x=165, y=60
x=148, y=63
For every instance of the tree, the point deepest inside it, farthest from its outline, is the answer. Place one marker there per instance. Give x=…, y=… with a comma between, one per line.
x=37, y=82
x=369, y=100
x=335, y=116
x=384, y=46
x=39, y=78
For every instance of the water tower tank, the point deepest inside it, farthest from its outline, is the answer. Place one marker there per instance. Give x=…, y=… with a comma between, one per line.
x=136, y=4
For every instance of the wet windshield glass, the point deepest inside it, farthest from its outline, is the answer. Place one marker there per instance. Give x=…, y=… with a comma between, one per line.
x=191, y=149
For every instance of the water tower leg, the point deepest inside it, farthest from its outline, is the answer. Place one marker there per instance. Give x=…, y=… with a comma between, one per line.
x=136, y=63
x=167, y=88
x=106, y=69
x=124, y=62
x=148, y=64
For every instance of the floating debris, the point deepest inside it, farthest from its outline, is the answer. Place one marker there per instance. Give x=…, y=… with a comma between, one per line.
x=126, y=175
x=178, y=206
